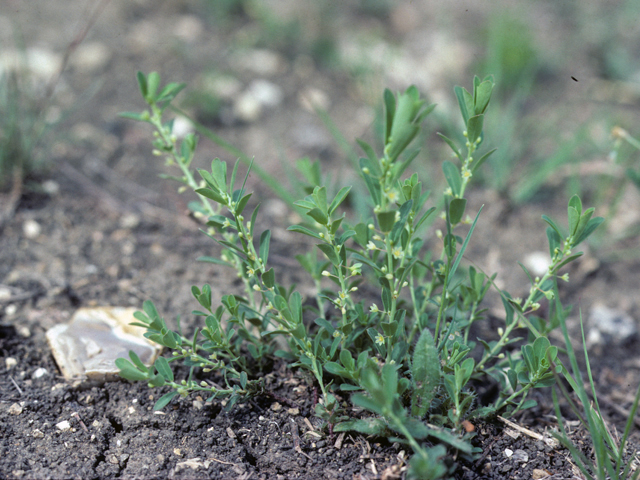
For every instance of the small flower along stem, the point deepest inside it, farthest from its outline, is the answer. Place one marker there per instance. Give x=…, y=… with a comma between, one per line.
x=465, y=170
x=169, y=147
x=529, y=303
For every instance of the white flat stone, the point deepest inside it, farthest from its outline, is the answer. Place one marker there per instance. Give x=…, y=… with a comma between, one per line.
x=87, y=347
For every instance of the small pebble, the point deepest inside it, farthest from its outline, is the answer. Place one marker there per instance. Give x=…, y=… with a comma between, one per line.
x=39, y=373
x=31, y=229
x=508, y=452
x=90, y=57
x=10, y=310
x=10, y=362
x=50, y=187
x=5, y=294
x=15, y=409
x=23, y=331
x=37, y=434
x=539, y=474
x=520, y=456
x=609, y=325
x=63, y=426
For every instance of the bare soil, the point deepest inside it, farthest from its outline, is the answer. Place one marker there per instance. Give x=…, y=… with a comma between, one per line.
x=115, y=234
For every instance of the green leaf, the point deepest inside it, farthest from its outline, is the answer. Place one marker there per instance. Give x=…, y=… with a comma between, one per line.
x=320, y=198
x=168, y=340
x=386, y=220
x=219, y=173
x=483, y=159
x=374, y=188
x=456, y=210
x=269, y=278
x=137, y=362
x=133, y=116
x=451, y=144
x=164, y=400
x=367, y=403
x=576, y=203
x=304, y=230
x=428, y=464
x=318, y=215
x=329, y=251
x=153, y=82
x=454, y=267
x=591, y=226
x=212, y=194
x=553, y=225
x=170, y=91
x=474, y=127
x=321, y=322
x=449, y=241
x=568, y=260
x=424, y=217
x=452, y=175
x=347, y=359
x=398, y=227
x=336, y=369
x=425, y=374
x=390, y=111
x=527, y=272
x=142, y=84
x=242, y=204
x=345, y=236
x=482, y=96
x=265, y=238
x=335, y=225
x=554, y=241
x=369, y=152
x=338, y=199
x=574, y=219
x=367, y=426
x=465, y=102
x=386, y=299
x=162, y=365
x=128, y=371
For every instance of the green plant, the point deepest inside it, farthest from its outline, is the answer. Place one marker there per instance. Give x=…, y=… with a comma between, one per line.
x=610, y=452
x=408, y=358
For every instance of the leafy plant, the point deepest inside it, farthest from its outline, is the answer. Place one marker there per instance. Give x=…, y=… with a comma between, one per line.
x=610, y=461
x=407, y=358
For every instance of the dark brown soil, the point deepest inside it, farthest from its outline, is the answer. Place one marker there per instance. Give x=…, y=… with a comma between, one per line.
x=117, y=235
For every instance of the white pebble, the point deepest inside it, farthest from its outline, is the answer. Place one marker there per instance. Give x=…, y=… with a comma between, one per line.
x=51, y=187
x=508, y=452
x=31, y=229
x=39, y=373
x=10, y=362
x=23, y=331
x=64, y=426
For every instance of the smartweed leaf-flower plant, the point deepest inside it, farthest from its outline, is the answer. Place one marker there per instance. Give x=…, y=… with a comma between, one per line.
x=409, y=356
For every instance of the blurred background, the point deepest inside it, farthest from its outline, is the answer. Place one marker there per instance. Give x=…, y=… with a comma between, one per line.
x=283, y=80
